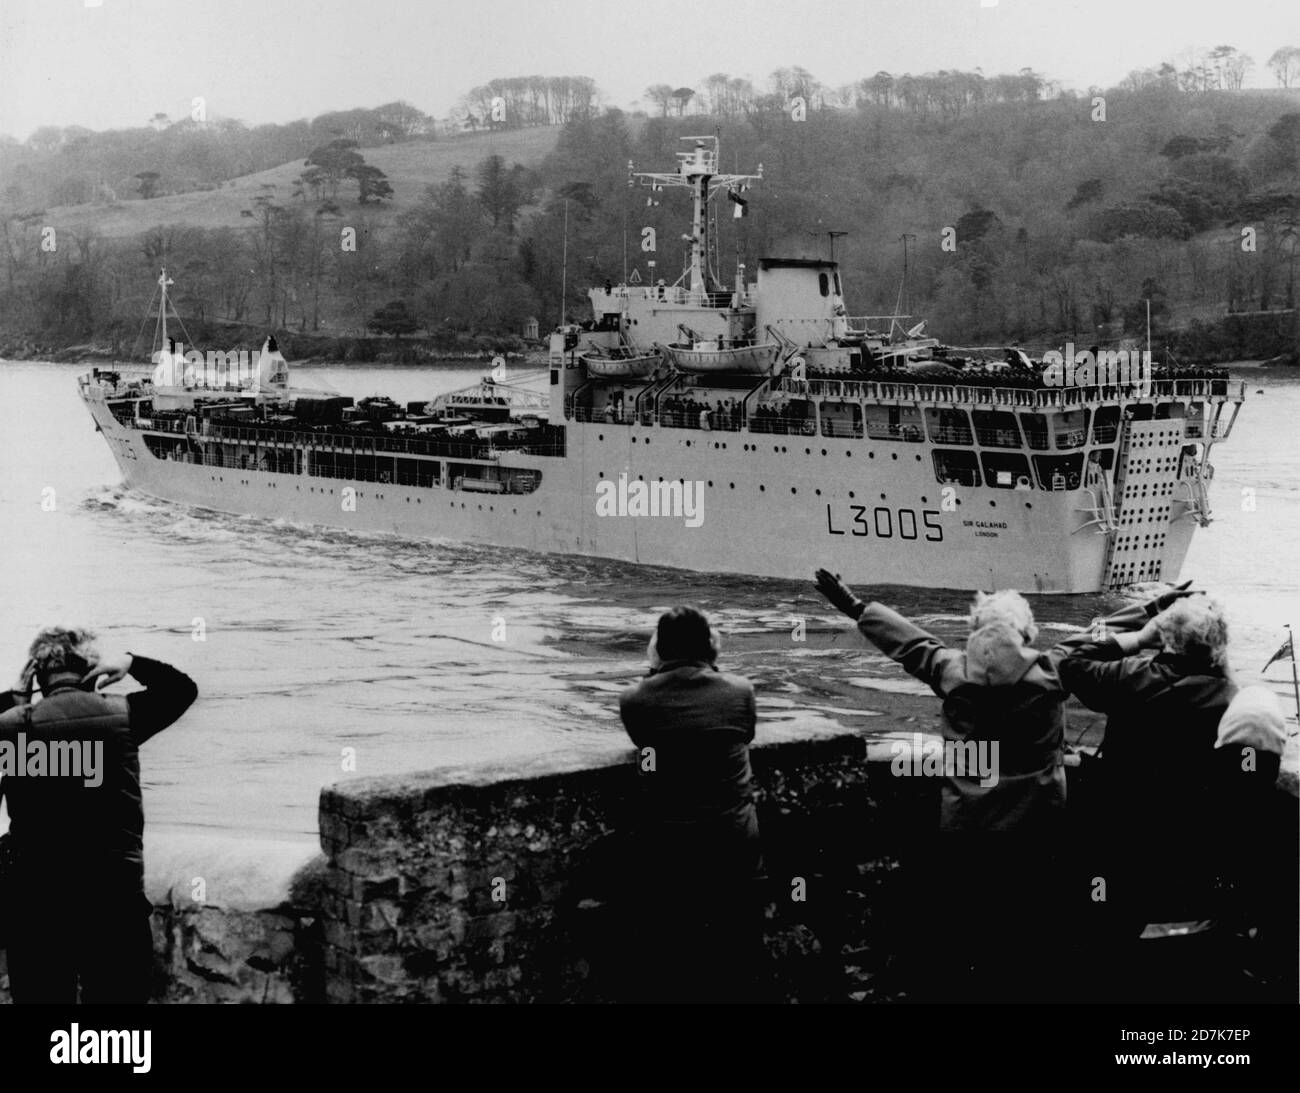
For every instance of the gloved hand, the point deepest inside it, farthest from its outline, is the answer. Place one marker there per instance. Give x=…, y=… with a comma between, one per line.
x=1168, y=599
x=839, y=594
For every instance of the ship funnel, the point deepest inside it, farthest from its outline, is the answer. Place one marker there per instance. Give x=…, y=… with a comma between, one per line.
x=168, y=369
x=272, y=369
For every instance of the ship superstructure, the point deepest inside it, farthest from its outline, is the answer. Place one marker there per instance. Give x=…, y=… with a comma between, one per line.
x=761, y=401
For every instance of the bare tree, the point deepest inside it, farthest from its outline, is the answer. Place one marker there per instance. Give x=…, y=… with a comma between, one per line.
x=1285, y=65
x=661, y=95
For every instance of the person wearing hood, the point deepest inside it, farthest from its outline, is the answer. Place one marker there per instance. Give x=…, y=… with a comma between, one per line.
x=993, y=888
x=999, y=688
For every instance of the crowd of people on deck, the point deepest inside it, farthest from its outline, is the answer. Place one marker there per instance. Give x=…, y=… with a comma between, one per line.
x=721, y=415
x=1023, y=893
x=687, y=412
x=960, y=371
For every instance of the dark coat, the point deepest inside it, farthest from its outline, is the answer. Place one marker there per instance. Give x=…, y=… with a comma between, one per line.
x=698, y=799
x=1163, y=718
x=64, y=830
x=994, y=690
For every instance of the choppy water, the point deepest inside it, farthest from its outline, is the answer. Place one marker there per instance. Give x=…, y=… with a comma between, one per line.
x=320, y=640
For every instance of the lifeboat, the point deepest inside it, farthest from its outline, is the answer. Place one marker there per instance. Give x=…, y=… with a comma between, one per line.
x=706, y=357
x=620, y=364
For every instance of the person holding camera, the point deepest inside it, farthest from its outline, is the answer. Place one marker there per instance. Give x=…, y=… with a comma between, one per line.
x=78, y=915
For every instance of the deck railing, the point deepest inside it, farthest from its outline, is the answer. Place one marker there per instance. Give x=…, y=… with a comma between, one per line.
x=890, y=391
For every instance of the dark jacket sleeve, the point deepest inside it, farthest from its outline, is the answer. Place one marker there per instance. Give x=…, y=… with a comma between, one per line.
x=168, y=693
x=1103, y=679
x=920, y=654
x=1126, y=619
x=750, y=714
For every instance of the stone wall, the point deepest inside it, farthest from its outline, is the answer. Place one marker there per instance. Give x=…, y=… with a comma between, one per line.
x=234, y=920
x=499, y=884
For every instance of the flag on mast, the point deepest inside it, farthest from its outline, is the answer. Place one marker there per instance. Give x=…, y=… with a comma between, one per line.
x=1287, y=650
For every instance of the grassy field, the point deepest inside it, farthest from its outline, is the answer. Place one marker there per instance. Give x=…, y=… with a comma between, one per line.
x=409, y=167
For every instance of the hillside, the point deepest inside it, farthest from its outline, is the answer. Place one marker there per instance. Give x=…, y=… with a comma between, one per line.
x=410, y=168
x=1027, y=220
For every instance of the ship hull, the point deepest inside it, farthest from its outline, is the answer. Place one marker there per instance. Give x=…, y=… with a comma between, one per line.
x=771, y=506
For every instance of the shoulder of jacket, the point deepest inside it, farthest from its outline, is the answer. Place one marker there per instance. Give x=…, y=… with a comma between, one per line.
x=739, y=683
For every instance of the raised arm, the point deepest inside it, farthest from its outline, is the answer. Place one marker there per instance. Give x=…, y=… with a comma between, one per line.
x=919, y=654
x=168, y=692
x=1106, y=675
x=1127, y=623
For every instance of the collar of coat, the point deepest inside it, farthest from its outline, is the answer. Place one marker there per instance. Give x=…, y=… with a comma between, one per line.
x=670, y=665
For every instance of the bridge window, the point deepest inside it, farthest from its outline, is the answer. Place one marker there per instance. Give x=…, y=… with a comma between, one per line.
x=1035, y=426
x=894, y=423
x=841, y=419
x=1103, y=457
x=1105, y=425
x=823, y=284
x=956, y=468
x=948, y=426
x=997, y=429
x=1006, y=470
x=1059, y=472
x=1070, y=428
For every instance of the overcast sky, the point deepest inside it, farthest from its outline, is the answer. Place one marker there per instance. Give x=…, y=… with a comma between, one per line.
x=115, y=63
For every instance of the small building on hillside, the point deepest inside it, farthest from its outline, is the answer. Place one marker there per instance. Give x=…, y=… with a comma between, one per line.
x=531, y=328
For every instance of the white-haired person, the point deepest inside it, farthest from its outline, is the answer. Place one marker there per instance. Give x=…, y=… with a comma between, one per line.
x=77, y=916
x=995, y=880
x=1163, y=680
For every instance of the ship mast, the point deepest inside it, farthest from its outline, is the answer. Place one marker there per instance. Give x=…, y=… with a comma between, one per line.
x=697, y=170
x=163, y=281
